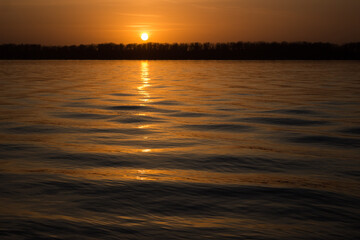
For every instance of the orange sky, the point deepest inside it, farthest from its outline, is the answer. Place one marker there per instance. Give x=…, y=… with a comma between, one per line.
x=122, y=21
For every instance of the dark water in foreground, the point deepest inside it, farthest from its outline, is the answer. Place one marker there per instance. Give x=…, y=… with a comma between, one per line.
x=179, y=150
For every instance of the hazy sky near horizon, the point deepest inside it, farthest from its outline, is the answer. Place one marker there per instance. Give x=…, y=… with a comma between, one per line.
x=60, y=22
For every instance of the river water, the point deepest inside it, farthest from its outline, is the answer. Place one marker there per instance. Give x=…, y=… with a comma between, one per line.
x=179, y=150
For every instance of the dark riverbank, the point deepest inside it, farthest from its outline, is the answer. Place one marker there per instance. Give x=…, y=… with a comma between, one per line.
x=187, y=51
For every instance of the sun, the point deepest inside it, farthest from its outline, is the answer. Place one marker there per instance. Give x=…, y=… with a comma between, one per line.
x=144, y=36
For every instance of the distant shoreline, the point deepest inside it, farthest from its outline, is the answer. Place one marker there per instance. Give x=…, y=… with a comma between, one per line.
x=185, y=51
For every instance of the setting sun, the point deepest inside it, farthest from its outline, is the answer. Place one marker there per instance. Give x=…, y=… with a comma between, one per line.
x=144, y=36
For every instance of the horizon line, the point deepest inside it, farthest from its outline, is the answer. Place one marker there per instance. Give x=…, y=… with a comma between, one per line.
x=207, y=42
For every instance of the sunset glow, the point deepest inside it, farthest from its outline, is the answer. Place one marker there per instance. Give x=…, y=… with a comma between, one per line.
x=185, y=119
x=62, y=22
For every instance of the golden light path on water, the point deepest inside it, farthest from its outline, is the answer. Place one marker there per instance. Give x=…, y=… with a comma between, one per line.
x=206, y=177
x=145, y=95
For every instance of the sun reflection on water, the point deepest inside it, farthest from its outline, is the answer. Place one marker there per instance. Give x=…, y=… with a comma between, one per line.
x=143, y=126
x=199, y=176
x=145, y=79
x=146, y=150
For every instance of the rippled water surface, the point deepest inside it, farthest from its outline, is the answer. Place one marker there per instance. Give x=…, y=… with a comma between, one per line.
x=179, y=150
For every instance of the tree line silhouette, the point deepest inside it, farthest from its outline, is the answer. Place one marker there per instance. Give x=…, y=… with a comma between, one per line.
x=228, y=51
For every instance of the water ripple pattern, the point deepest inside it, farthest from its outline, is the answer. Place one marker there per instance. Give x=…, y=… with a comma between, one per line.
x=179, y=150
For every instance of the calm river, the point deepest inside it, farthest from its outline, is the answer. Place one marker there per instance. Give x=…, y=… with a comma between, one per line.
x=179, y=150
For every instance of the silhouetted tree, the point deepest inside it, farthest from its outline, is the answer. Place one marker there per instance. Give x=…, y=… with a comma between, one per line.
x=231, y=50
